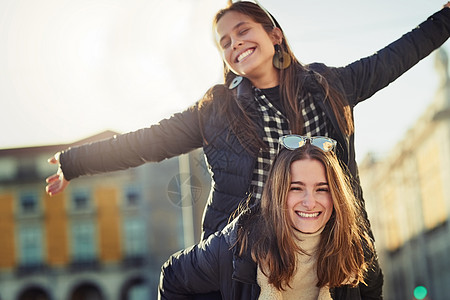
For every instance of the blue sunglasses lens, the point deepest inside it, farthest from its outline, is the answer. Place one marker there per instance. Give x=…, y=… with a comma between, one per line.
x=293, y=142
x=323, y=143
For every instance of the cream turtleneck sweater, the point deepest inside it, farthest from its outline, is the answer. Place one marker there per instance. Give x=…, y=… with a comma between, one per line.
x=303, y=284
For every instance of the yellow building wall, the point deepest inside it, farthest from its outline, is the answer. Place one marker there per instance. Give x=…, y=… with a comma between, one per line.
x=56, y=230
x=394, y=239
x=108, y=224
x=7, y=241
x=433, y=200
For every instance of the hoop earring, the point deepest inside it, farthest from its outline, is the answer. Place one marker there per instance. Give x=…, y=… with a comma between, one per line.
x=281, y=60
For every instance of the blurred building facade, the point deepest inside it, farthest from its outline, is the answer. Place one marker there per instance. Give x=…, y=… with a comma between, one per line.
x=407, y=197
x=105, y=237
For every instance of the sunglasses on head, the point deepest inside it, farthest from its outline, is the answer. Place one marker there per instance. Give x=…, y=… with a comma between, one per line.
x=293, y=142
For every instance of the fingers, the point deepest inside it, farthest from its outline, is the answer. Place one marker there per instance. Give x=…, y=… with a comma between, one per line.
x=53, y=184
x=54, y=159
x=52, y=178
x=56, y=184
x=52, y=188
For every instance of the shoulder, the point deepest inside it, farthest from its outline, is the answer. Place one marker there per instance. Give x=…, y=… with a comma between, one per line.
x=316, y=70
x=213, y=94
x=313, y=76
x=230, y=232
x=212, y=104
x=243, y=220
x=317, y=67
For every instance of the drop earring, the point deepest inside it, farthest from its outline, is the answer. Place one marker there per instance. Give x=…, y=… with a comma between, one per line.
x=281, y=60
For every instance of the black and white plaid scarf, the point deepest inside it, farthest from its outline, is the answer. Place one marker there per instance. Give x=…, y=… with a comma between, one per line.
x=276, y=125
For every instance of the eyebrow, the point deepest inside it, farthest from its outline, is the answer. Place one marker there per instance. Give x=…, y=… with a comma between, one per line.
x=234, y=28
x=301, y=183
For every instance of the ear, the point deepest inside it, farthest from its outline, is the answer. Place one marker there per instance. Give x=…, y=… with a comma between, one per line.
x=277, y=36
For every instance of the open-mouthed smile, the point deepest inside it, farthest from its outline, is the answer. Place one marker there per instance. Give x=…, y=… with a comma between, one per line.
x=307, y=215
x=245, y=54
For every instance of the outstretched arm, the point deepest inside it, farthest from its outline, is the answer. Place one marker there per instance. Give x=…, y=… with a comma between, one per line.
x=56, y=183
x=170, y=137
x=363, y=78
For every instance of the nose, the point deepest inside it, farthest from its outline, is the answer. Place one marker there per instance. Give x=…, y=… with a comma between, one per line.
x=236, y=43
x=308, y=201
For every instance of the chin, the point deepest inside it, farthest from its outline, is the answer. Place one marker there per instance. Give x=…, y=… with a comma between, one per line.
x=309, y=230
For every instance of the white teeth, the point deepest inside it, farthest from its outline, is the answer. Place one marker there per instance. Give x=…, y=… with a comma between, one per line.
x=305, y=215
x=244, y=54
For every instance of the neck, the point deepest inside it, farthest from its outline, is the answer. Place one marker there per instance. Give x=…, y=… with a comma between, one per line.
x=266, y=80
x=264, y=84
x=308, y=242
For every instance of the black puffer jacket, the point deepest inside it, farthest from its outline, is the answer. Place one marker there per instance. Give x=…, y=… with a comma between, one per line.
x=230, y=163
x=214, y=265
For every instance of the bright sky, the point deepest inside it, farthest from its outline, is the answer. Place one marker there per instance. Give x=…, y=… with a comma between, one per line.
x=71, y=69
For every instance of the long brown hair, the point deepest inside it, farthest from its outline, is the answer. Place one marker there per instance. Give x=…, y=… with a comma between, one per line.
x=291, y=81
x=270, y=232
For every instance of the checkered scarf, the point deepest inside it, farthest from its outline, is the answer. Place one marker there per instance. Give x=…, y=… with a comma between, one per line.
x=275, y=125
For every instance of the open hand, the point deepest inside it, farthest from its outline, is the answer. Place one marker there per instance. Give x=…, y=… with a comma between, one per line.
x=56, y=183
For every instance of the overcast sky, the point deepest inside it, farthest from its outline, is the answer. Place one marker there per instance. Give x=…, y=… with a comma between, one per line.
x=71, y=69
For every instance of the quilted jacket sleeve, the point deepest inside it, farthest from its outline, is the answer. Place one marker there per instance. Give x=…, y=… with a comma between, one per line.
x=200, y=269
x=374, y=288
x=366, y=76
x=176, y=135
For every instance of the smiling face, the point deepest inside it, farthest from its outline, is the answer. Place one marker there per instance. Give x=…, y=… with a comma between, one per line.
x=309, y=201
x=247, y=48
